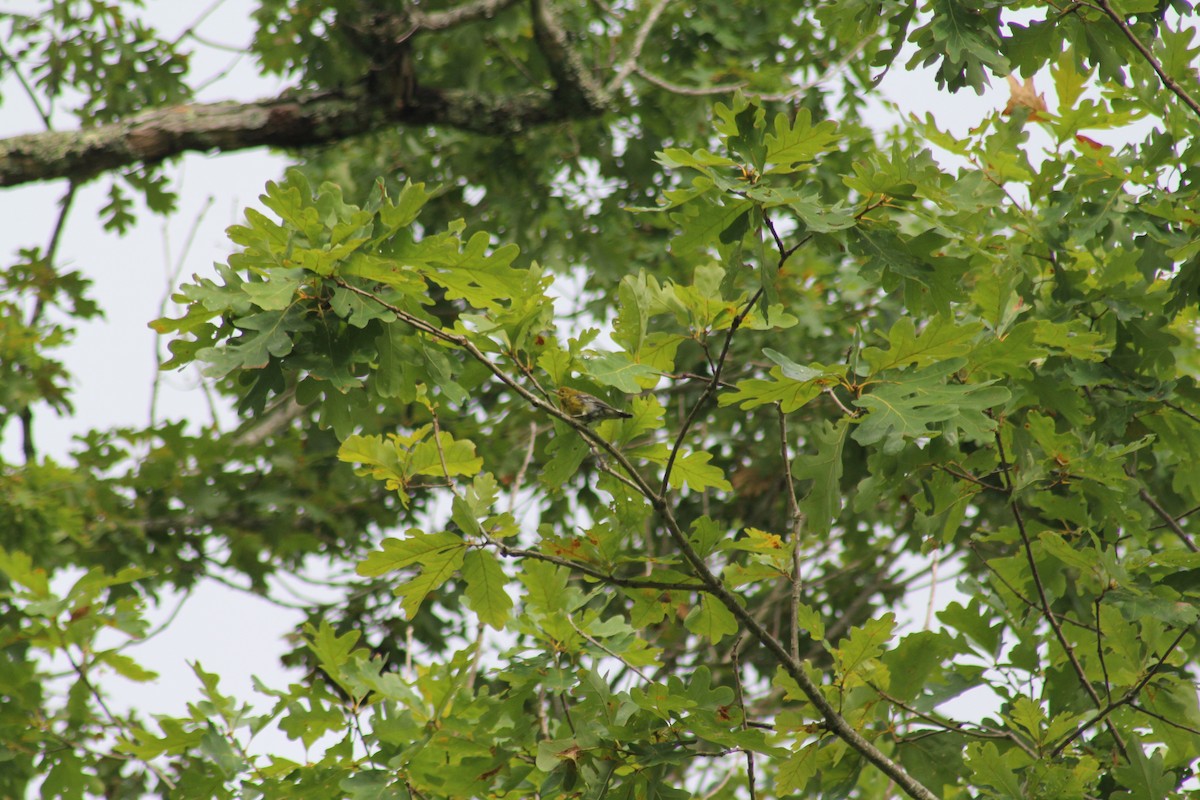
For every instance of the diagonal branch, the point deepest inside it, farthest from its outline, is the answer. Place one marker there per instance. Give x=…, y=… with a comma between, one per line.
x=1167, y=81
x=1125, y=699
x=639, y=42
x=709, y=388
x=639, y=483
x=710, y=582
x=1044, y=601
x=1168, y=520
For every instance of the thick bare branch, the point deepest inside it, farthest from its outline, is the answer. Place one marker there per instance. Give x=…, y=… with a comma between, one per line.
x=452, y=17
x=575, y=86
x=286, y=121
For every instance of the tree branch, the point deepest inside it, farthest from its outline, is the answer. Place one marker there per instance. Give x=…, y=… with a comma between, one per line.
x=710, y=582
x=639, y=42
x=1044, y=601
x=797, y=529
x=1125, y=699
x=954, y=726
x=689, y=91
x=286, y=121
x=1168, y=520
x=452, y=17
x=1167, y=80
x=575, y=86
x=600, y=575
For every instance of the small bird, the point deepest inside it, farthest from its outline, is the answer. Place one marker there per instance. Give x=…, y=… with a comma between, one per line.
x=586, y=408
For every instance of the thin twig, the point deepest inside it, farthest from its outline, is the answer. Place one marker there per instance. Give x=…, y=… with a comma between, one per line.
x=172, y=280
x=982, y=732
x=51, y=253
x=595, y=643
x=600, y=575
x=833, y=395
x=1021, y=597
x=1181, y=410
x=1125, y=699
x=835, y=723
x=675, y=88
x=964, y=476
x=1100, y=646
x=741, y=701
x=833, y=69
x=25, y=413
x=437, y=440
x=1047, y=613
x=707, y=392
x=520, y=476
x=466, y=344
x=80, y=671
x=639, y=42
x=1167, y=80
x=797, y=529
x=715, y=380
x=1168, y=520
x=1184, y=515
x=1161, y=718
x=932, y=589
x=33, y=98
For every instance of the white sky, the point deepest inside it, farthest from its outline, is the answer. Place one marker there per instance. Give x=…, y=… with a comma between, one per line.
x=112, y=361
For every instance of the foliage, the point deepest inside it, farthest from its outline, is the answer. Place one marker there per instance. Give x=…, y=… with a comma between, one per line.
x=846, y=366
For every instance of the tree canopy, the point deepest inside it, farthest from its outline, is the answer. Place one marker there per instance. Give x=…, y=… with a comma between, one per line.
x=857, y=363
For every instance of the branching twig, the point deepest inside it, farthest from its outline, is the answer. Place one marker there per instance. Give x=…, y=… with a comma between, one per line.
x=81, y=672
x=708, y=391
x=600, y=575
x=466, y=344
x=639, y=42
x=1125, y=699
x=1047, y=613
x=834, y=721
x=964, y=476
x=981, y=732
x=1021, y=597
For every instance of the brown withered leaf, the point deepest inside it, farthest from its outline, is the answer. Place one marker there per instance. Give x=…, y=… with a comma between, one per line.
x=1024, y=95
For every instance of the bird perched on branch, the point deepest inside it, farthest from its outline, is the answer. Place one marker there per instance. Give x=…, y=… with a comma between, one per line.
x=586, y=408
